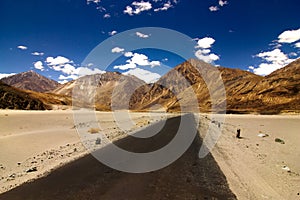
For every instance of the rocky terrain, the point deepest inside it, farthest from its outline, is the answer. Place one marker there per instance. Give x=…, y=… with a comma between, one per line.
x=31, y=80
x=245, y=91
x=14, y=98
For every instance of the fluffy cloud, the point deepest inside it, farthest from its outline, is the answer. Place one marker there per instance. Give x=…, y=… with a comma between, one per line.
x=204, y=52
x=165, y=7
x=72, y=76
x=3, y=75
x=107, y=15
x=217, y=7
x=142, y=35
x=93, y=1
x=136, y=60
x=117, y=50
x=205, y=43
x=37, y=53
x=39, y=65
x=112, y=33
x=213, y=8
x=223, y=3
x=145, y=75
x=272, y=60
x=297, y=45
x=59, y=60
x=69, y=69
x=22, y=47
x=63, y=82
x=138, y=7
x=289, y=36
x=83, y=71
x=209, y=58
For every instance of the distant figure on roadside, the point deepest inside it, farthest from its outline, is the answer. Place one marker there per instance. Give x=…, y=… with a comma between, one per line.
x=238, y=133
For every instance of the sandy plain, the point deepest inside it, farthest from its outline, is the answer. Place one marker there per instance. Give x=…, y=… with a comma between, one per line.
x=34, y=143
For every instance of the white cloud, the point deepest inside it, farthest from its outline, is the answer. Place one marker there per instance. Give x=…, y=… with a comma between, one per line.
x=297, y=45
x=204, y=52
x=117, y=50
x=289, y=36
x=213, y=8
x=272, y=60
x=128, y=11
x=107, y=15
x=209, y=58
x=217, y=7
x=142, y=35
x=63, y=82
x=3, y=75
x=137, y=60
x=112, y=33
x=22, y=47
x=145, y=75
x=205, y=43
x=165, y=7
x=72, y=76
x=128, y=54
x=273, y=56
x=222, y=3
x=59, y=60
x=138, y=7
x=83, y=71
x=251, y=67
x=61, y=64
x=94, y=1
x=69, y=69
x=293, y=54
x=39, y=65
x=37, y=53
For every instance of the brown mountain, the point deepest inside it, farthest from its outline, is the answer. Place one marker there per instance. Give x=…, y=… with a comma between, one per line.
x=101, y=90
x=13, y=98
x=245, y=91
x=31, y=81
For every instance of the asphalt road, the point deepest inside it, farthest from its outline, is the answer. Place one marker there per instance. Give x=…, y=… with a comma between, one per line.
x=187, y=178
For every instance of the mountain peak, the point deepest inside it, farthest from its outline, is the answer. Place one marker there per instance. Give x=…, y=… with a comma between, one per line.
x=31, y=80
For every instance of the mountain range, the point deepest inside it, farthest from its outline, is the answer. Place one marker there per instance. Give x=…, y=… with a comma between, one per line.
x=245, y=91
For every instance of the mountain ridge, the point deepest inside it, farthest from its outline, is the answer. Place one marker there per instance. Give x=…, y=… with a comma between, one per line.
x=30, y=80
x=245, y=92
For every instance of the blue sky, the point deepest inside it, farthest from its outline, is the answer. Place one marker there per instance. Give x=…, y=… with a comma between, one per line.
x=55, y=37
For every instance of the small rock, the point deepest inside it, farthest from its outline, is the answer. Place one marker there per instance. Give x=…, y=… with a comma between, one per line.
x=262, y=135
x=19, y=163
x=33, y=169
x=286, y=168
x=98, y=141
x=279, y=141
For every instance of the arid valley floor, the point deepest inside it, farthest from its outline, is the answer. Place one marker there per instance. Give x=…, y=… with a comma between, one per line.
x=35, y=144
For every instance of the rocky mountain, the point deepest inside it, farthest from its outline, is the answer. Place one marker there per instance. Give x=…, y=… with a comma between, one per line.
x=245, y=91
x=184, y=88
x=31, y=80
x=101, y=91
x=13, y=98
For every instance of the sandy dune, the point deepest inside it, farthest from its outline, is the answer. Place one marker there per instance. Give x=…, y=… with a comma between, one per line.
x=255, y=167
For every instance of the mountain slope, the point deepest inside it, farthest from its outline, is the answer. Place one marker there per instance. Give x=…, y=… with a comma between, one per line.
x=101, y=91
x=13, y=98
x=245, y=92
x=31, y=80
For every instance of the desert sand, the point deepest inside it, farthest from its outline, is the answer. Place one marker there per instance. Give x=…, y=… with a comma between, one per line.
x=46, y=140
x=255, y=167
